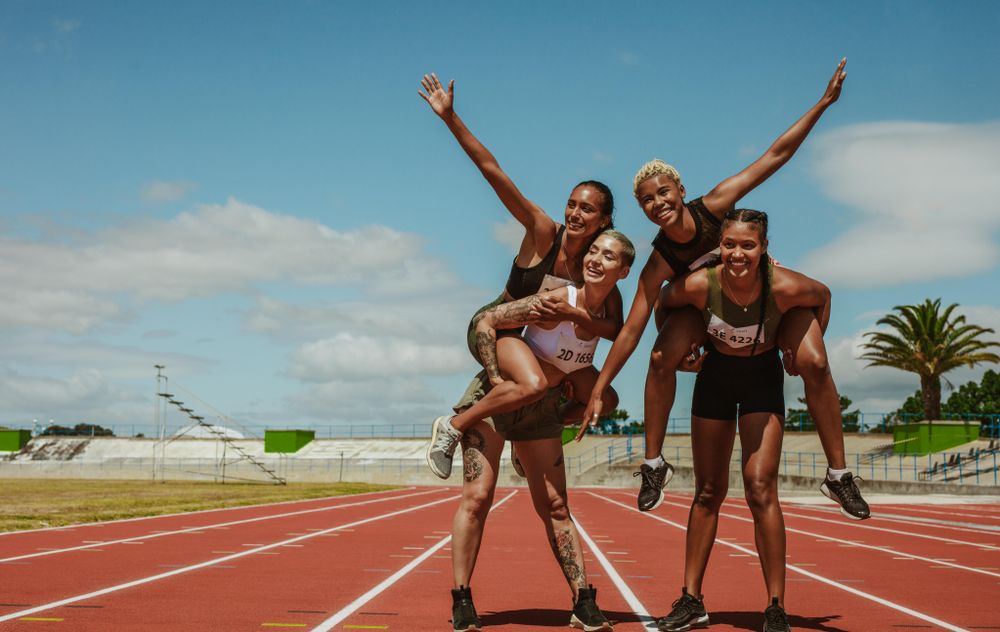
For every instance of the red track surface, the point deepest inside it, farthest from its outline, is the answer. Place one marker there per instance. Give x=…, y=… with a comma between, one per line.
x=381, y=562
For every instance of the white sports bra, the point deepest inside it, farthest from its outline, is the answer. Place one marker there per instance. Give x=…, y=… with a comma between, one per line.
x=559, y=346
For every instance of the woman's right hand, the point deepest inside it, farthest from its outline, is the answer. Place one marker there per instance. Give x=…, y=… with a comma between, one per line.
x=437, y=97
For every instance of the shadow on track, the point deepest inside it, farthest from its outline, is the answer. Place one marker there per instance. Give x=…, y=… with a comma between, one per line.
x=547, y=617
x=754, y=620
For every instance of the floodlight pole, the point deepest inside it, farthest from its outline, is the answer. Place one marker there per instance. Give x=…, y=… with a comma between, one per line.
x=160, y=421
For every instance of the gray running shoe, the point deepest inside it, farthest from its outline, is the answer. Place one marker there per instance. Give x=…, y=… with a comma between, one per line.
x=441, y=450
x=654, y=479
x=463, y=611
x=775, y=619
x=586, y=615
x=687, y=613
x=845, y=493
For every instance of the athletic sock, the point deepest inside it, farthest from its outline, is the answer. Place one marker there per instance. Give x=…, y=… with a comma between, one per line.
x=836, y=475
x=655, y=463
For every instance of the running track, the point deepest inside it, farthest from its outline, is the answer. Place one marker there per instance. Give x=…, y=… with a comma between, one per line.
x=381, y=561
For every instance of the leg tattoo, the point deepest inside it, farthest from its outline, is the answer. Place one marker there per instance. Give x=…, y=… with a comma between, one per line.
x=563, y=545
x=473, y=443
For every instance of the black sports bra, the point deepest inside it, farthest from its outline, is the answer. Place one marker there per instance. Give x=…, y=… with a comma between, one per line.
x=527, y=281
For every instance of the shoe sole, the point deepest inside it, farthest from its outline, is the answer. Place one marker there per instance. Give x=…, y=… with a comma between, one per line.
x=575, y=622
x=659, y=501
x=826, y=492
x=430, y=461
x=700, y=622
x=471, y=628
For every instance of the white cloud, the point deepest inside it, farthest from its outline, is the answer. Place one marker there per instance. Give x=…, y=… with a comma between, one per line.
x=158, y=191
x=66, y=25
x=388, y=400
x=349, y=357
x=74, y=285
x=509, y=234
x=86, y=395
x=926, y=193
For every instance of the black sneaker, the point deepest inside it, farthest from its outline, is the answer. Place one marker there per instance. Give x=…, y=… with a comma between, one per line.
x=654, y=479
x=586, y=615
x=441, y=450
x=775, y=619
x=845, y=493
x=463, y=612
x=687, y=613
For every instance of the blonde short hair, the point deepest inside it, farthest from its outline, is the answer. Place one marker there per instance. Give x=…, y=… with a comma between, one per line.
x=653, y=168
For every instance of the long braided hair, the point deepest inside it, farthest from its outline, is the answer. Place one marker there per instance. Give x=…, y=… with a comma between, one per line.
x=758, y=218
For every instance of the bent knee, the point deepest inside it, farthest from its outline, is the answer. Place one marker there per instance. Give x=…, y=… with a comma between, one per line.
x=813, y=366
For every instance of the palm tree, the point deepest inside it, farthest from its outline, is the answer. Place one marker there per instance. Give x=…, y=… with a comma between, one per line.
x=928, y=343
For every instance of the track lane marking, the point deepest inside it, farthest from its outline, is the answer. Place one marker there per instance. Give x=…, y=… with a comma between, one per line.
x=802, y=571
x=159, y=534
x=860, y=545
x=854, y=524
x=623, y=588
x=209, y=563
x=350, y=608
x=70, y=527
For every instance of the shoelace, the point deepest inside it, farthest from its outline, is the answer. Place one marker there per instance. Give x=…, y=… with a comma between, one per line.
x=446, y=443
x=775, y=615
x=849, y=491
x=650, y=476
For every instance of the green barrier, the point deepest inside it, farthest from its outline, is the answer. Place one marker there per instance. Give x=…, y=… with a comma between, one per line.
x=926, y=437
x=287, y=441
x=14, y=440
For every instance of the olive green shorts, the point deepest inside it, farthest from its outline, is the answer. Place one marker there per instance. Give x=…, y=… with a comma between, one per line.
x=470, y=334
x=538, y=420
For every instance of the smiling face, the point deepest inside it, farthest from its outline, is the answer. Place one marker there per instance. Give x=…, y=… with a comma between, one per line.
x=741, y=249
x=585, y=214
x=606, y=261
x=661, y=199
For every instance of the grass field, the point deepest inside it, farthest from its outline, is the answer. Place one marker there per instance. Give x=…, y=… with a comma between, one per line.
x=35, y=503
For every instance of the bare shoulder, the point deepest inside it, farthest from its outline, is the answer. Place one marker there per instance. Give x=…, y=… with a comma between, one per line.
x=786, y=282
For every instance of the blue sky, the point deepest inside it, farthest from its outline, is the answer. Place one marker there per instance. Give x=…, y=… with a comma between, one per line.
x=253, y=194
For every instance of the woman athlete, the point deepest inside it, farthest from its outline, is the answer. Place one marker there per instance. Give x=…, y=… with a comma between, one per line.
x=563, y=349
x=550, y=256
x=742, y=301
x=688, y=231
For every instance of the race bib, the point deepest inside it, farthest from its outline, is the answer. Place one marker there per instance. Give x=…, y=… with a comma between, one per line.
x=735, y=337
x=578, y=353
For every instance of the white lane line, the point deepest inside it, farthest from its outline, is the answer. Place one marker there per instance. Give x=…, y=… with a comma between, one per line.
x=809, y=574
x=350, y=608
x=861, y=545
x=160, y=534
x=70, y=527
x=194, y=567
x=951, y=525
x=854, y=524
x=633, y=602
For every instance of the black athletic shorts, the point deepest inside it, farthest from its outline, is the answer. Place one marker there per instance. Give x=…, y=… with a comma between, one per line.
x=731, y=386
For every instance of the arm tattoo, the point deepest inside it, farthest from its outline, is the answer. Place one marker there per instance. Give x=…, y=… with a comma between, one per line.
x=486, y=344
x=516, y=313
x=473, y=444
x=564, y=546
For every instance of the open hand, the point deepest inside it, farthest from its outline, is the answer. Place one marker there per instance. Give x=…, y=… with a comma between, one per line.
x=550, y=308
x=836, y=83
x=437, y=97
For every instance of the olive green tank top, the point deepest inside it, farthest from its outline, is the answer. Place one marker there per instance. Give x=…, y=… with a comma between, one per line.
x=734, y=325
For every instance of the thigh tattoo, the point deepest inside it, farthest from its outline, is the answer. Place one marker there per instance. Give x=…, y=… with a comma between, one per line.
x=473, y=444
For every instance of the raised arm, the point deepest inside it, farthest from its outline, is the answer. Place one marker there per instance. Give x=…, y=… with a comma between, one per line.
x=724, y=196
x=524, y=210
x=794, y=289
x=654, y=274
x=505, y=316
